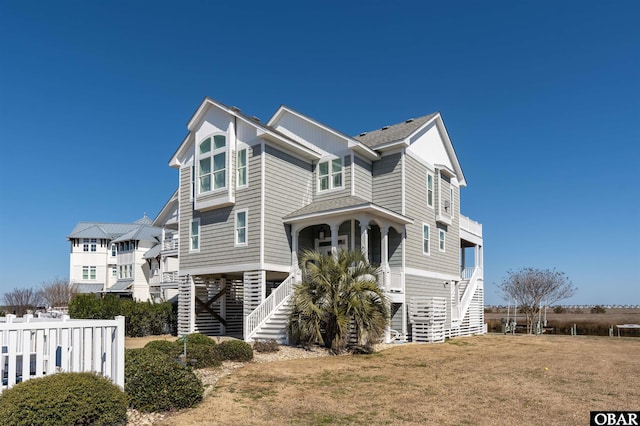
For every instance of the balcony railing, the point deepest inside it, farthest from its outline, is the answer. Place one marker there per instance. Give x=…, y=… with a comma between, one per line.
x=170, y=244
x=471, y=226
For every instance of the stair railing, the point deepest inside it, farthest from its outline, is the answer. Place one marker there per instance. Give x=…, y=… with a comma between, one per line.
x=263, y=312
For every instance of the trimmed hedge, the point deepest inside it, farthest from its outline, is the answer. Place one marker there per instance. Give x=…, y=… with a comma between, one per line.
x=156, y=382
x=64, y=399
x=233, y=350
x=141, y=318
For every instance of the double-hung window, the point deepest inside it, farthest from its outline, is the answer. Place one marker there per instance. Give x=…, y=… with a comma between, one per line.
x=195, y=235
x=241, y=228
x=330, y=174
x=85, y=244
x=429, y=190
x=88, y=272
x=442, y=240
x=241, y=168
x=212, y=164
x=425, y=239
x=93, y=244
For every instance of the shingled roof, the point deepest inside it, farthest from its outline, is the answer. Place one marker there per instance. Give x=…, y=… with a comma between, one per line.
x=393, y=133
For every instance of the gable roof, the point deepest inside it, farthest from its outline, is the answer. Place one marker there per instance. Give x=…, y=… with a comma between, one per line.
x=397, y=132
x=263, y=130
x=351, y=142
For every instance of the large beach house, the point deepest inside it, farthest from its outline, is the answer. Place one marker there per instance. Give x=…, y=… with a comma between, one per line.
x=252, y=196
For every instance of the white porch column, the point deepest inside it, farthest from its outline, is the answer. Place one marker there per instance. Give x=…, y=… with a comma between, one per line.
x=334, y=238
x=386, y=271
x=364, y=237
x=295, y=234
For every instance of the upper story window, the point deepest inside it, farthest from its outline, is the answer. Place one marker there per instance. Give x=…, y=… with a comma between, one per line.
x=88, y=272
x=441, y=245
x=241, y=228
x=429, y=189
x=93, y=244
x=425, y=239
x=330, y=174
x=85, y=244
x=114, y=250
x=241, y=175
x=195, y=235
x=212, y=164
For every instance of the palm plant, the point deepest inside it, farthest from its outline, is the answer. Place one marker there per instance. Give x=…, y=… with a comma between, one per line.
x=338, y=296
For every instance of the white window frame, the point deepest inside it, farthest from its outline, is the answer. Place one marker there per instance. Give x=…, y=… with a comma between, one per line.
x=331, y=174
x=114, y=250
x=430, y=190
x=209, y=156
x=242, y=169
x=114, y=272
x=89, y=273
x=237, y=229
x=194, y=247
x=427, y=240
x=85, y=244
x=442, y=240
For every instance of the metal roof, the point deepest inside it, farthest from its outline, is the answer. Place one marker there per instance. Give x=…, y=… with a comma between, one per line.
x=153, y=252
x=88, y=287
x=121, y=286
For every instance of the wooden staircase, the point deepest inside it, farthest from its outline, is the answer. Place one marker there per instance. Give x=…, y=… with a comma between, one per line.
x=269, y=320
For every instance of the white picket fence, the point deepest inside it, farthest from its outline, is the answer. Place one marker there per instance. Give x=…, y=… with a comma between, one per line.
x=34, y=347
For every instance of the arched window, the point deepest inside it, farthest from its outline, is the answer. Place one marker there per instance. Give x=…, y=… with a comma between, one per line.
x=212, y=163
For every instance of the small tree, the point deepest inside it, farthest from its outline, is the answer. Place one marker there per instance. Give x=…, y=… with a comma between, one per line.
x=338, y=295
x=21, y=300
x=530, y=287
x=56, y=292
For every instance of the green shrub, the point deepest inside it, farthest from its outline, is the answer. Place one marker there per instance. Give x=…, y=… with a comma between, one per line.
x=197, y=339
x=163, y=346
x=64, y=399
x=264, y=346
x=155, y=382
x=198, y=355
x=141, y=318
x=233, y=350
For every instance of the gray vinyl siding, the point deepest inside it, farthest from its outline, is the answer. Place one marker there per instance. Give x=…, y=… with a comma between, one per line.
x=288, y=187
x=334, y=193
x=416, y=208
x=217, y=226
x=396, y=316
x=395, y=248
x=387, y=182
x=363, y=179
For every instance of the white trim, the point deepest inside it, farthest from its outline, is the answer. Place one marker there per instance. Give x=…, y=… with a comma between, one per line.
x=263, y=155
x=428, y=253
x=246, y=228
x=430, y=274
x=191, y=249
x=403, y=185
x=442, y=240
x=210, y=155
x=353, y=173
x=239, y=267
x=433, y=193
x=246, y=167
x=376, y=211
x=329, y=160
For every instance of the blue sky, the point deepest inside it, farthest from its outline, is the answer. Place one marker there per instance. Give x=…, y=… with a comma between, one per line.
x=541, y=100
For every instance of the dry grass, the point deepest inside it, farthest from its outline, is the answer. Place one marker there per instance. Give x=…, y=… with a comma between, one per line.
x=491, y=379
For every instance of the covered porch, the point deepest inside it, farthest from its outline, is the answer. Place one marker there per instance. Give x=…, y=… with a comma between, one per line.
x=352, y=223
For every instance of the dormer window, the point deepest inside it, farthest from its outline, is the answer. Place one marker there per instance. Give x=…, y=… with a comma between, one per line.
x=212, y=164
x=330, y=174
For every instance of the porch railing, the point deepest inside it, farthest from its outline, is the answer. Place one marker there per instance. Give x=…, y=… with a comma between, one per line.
x=396, y=282
x=471, y=226
x=261, y=314
x=170, y=244
x=34, y=347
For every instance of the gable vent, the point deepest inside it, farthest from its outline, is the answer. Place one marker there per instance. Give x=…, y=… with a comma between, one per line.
x=409, y=120
x=385, y=127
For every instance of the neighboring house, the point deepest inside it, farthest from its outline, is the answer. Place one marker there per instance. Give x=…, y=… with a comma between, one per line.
x=115, y=258
x=253, y=196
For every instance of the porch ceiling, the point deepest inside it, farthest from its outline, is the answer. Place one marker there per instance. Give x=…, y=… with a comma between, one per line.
x=345, y=206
